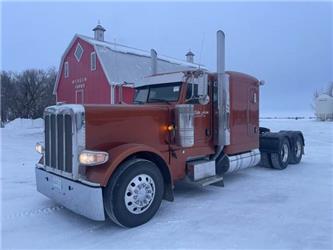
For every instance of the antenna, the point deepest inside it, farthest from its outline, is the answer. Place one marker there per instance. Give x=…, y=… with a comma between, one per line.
x=117, y=80
x=201, y=48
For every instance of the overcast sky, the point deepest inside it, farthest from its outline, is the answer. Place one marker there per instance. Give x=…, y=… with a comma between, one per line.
x=289, y=45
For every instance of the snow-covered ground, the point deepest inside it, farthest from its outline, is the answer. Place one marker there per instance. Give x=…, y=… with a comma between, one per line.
x=258, y=208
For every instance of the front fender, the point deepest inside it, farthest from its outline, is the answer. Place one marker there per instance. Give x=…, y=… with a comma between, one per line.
x=102, y=173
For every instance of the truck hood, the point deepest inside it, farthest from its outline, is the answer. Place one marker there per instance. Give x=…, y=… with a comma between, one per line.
x=108, y=126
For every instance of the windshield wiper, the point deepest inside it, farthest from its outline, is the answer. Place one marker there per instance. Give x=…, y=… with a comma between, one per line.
x=159, y=100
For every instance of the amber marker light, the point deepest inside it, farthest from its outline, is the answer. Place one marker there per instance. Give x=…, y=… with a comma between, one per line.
x=92, y=158
x=170, y=127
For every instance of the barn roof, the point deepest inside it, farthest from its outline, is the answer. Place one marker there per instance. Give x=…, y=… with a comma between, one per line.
x=324, y=96
x=122, y=63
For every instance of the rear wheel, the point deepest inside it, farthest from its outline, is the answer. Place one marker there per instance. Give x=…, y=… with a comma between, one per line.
x=134, y=193
x=296, y=150
x=280, y=160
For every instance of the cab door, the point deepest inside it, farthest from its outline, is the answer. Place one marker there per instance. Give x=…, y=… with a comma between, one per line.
x=252, y=113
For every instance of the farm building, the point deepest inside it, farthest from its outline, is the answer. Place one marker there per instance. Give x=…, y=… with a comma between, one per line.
x=324, y=104
x=93, y=71
x=324, y=107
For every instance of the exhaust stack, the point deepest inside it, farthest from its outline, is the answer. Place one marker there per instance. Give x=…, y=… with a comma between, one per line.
x=220, y=54
x=153, y=55
x=222, y=105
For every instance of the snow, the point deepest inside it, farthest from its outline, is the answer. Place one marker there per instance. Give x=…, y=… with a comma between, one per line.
x=122, y=63
x=59, y=108
x=21, y=123
x=131, y=68
x=258, y=208
x=135, y=51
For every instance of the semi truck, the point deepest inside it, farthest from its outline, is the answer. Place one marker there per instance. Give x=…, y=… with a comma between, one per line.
x=121, y=161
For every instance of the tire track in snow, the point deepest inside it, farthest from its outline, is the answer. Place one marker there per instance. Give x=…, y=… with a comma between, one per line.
x=36, y=212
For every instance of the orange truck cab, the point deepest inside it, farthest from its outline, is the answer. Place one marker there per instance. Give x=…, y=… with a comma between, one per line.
x=120, y=161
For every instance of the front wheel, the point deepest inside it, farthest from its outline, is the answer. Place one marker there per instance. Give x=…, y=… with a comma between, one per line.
x=280, y=160
x=134, y=193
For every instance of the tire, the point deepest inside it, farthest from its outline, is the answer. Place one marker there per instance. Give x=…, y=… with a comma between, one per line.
x=134, y=193
x=280, y=160
x=296, y=150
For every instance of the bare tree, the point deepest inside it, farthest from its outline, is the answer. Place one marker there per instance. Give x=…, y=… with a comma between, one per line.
x=7, y=90
x=26, y=94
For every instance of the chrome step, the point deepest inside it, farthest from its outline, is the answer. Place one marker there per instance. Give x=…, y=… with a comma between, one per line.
x=200, y=169
x=215, y=180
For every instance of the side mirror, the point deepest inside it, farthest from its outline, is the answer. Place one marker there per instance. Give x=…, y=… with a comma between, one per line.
x=202, y=82
x=204, y=99
x=199, y=82
x=202, y=89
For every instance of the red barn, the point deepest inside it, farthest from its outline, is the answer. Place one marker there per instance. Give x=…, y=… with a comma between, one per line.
x=93, y=71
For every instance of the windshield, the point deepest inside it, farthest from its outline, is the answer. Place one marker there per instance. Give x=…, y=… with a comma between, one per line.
x=167, y=92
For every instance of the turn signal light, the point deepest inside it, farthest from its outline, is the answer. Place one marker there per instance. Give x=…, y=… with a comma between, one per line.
x=39, y=147
x=92, y=158
x=170, y=128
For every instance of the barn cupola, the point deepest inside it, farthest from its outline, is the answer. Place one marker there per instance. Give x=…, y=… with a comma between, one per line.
x=99, y=32
x=190, y=57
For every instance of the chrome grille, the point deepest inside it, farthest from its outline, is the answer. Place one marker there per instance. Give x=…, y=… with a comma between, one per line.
x=58, y=142
x=64, y=138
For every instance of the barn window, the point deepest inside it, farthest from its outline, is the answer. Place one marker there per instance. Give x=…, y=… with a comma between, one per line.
x=93, y=61
x=78, y=52
x=66, y=70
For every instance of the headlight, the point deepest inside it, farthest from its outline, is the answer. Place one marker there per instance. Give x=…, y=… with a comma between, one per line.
x=91, y=158
x=39, y=147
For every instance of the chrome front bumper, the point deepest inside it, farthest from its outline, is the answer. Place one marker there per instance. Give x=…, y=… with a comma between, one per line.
x=80, y=198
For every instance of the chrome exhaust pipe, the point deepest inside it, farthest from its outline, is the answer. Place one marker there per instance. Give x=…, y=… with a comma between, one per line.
x=153, y=55
x=220, y=55
x=223, y=93
x=222, y=104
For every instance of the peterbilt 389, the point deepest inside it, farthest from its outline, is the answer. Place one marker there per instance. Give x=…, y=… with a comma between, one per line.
x=120, y=161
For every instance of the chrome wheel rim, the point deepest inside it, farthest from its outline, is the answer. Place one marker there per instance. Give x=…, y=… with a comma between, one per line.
x=284, y=152
x=139, y=194
x=298, y=149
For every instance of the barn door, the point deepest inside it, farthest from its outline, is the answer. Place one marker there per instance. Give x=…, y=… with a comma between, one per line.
x=79, y=96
